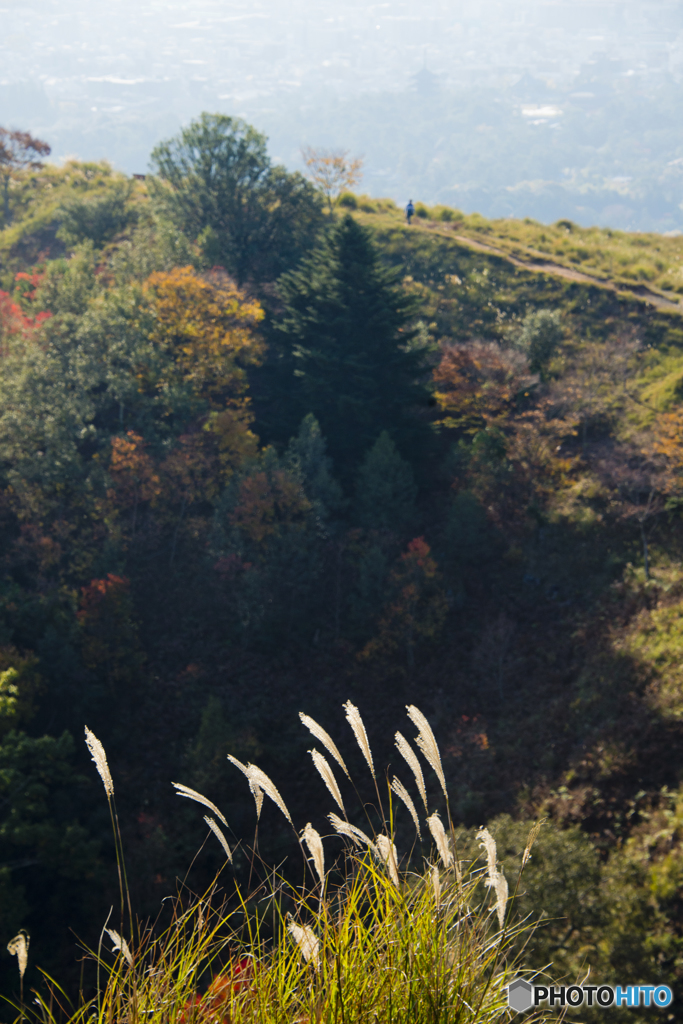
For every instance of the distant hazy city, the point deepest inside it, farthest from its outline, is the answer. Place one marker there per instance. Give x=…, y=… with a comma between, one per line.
x=539, y=108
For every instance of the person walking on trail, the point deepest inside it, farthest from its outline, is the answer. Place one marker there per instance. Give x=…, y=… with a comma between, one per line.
x=410, y=210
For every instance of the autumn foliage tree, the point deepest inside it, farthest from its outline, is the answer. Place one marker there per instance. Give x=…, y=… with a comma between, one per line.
x=417, y=607
x=18, y=150
x=332, y=171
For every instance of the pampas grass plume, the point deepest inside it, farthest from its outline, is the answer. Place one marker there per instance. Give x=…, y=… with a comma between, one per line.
x=426, y=741
x=315, y=848
x=487, y=841
x=353, y=833
x=402, y=793
x=256, y=790
x=18, y=947
x=260, y=779
x=356, y=723
x=118, y=942
x=192, y=794
x=531, y=839
x=305, y=938
x=440, y=838
x=387, y=852
x=325, y=739
x=323, y=766
x=100, y=758
x=410, y=757
x=219, y=836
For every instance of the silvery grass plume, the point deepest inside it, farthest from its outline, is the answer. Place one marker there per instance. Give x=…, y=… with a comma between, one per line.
x=489, y=844
x=325, y=739
x=387, y=853
x=402, y=793
x=18, y=947
x=305, y=938
x=436, y=883
x=315, y=848
x=323, y=766
x=192, y=794
x=355, y=834
x=100, y=758
x=426, y=741
x=410, y=758
x=118, y=942
x=258, y=778
x=440, y=838
x=356, y=723
x=256, y=791
x=219, y=836
x=531, y=839
x=496, y=879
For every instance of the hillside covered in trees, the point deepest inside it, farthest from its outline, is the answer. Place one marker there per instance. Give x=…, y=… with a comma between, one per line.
x=257, y=458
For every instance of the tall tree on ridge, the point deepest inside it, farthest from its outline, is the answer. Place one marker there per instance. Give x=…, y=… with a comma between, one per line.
x=216, y=182
x=348, y=326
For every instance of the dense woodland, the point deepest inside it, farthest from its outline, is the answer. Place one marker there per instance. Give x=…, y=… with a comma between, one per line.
x=259, y=457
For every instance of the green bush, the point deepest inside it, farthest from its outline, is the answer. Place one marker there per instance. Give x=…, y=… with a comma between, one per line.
x=349, y=200
x=421, y=211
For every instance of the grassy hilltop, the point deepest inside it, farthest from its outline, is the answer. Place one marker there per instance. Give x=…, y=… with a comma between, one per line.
x=210, y=523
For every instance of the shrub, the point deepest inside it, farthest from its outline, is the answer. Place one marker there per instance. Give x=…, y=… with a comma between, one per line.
x=421, y=211
x=349, y=200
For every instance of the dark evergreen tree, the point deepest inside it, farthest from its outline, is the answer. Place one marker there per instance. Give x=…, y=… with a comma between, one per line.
x=385, y=489
x=357, y=362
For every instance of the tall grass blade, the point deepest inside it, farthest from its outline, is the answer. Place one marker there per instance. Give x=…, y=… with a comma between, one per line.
x=410, y=757
x=192, y=794
x=219, y=836
x=323, y=766
x=402, y=793
x=426, y=741
x=356, y=723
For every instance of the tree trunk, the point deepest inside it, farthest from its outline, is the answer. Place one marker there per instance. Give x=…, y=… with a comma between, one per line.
x=646, y=552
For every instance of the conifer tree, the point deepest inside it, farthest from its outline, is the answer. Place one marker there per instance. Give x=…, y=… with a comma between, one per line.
x=385, y=488
x=307, y=456
x=357, y=366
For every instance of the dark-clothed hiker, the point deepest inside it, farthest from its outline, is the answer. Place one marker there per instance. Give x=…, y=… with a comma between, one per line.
x=410, y=210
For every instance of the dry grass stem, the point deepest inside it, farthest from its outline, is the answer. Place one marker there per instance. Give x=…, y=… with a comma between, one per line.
x=305, y=938
x=118, y=942
x=325, y=739
x=440, y=838
x=315, y=848
x=426, y=741
x=356, y=723
x=410, y=757
x=531, y=839
x=402, y=793
x=496, y=879
x=219, y=836
x=387, y=852
x=345, y=829
x=192, y=794
x=323, y=766
x=100, y=758
x=18, y=947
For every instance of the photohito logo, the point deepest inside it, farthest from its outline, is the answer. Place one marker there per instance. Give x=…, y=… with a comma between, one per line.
x=522, y=995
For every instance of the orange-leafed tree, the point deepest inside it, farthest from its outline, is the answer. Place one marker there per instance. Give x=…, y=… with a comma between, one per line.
x=268, y=504
x=416, y=609
x=135, y=479
x=479, y=381
x=207, y=327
